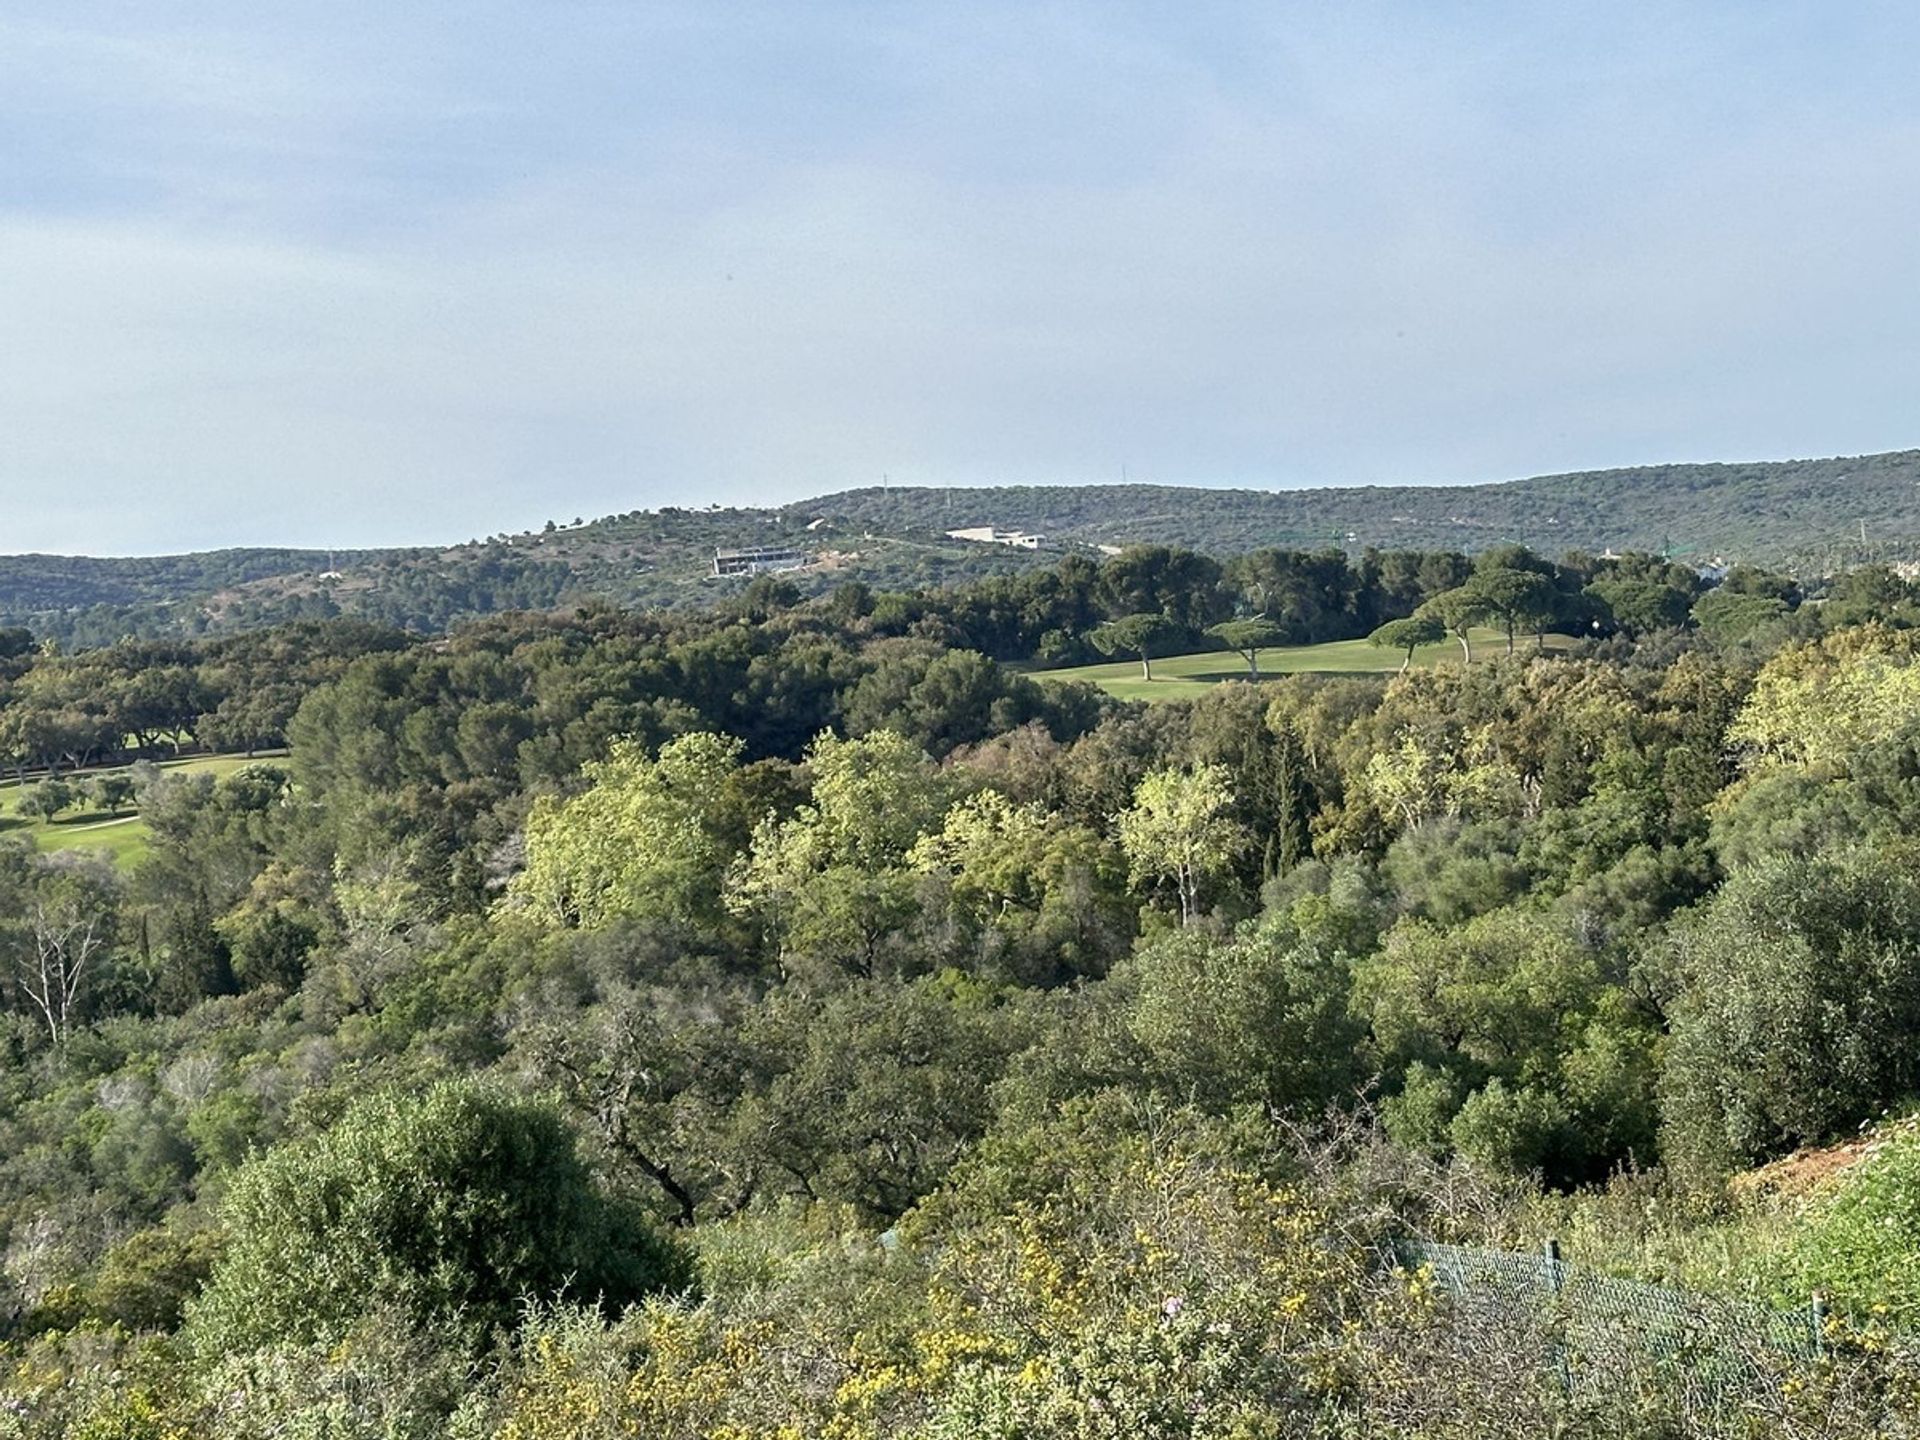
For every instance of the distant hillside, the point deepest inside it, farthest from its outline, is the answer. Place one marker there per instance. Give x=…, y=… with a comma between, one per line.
x=63, y=582
x=1803, y=514
x=662, y=557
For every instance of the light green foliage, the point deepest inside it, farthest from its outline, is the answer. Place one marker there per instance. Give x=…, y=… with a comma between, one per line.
x=1029, y=876
x=1179, y=829
x=452, y=1207
x=834, y=877
x=643, y=840
x=60, y=938
x=1819, y=704
x=1859, y=1243
x=1416, y=780
x=146, y=1280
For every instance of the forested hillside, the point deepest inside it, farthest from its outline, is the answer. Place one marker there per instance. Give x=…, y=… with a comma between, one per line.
x=1803, y=514
x=660, y=557
x=1809, y=517
x=784, y=1018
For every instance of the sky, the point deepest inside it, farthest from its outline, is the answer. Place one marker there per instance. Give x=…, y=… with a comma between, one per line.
x=356, y=273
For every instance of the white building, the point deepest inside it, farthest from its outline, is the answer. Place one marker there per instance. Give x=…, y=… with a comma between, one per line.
x=988, y=535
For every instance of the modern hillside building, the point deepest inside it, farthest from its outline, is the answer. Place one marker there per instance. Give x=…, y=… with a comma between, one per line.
x=988, y=535
x=759, y=560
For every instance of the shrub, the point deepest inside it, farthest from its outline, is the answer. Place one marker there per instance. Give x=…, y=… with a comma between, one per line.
x=454, y=1208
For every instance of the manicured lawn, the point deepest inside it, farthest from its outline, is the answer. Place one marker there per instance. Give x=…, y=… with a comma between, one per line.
x=1180, y=677
x=122, y=839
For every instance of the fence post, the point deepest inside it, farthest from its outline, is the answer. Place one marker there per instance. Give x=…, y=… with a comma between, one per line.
x=1818, y=1309
x=1550, y=1253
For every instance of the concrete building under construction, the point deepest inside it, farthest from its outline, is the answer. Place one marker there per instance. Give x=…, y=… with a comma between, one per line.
x=759, y=560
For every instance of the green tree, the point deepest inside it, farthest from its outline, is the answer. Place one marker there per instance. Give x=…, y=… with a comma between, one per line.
x=1517, y=599
x=1795, y=1007
x=1727, y=616
x=833, y=878
x=1409, y=635
x=111, y=792
x=647, y=839
x=1639, y=606
x=1262, y=1018
x=1140, y=634
x=1459, y=609
x=1511, y=997
x=1248, y=638
x=1030, y=879
x=64, y=939
x=454, y=1207
x=47, y=799
x=1179, y=829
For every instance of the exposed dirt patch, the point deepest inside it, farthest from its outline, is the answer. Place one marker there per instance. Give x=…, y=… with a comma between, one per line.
x=1807, y=1171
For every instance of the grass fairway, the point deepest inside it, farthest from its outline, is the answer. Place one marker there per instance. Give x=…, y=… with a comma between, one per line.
x=1181, y=677
x=122, y=839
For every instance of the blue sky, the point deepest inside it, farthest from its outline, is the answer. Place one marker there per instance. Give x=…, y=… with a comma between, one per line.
x=355, y=273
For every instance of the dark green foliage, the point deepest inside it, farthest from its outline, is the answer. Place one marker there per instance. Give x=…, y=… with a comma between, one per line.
x=1795, y=1007
x=1248, y=638
x=454, y=1207
x=1142, y=634
x=1801, y=511
x=1262, y=1019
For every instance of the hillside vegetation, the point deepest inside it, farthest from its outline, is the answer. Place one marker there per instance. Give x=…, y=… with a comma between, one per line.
x=785, y=1019
x=1806, y=516
x=1803, y=514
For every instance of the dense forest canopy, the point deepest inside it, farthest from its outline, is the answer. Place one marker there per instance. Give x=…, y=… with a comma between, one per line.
x=801, y=1016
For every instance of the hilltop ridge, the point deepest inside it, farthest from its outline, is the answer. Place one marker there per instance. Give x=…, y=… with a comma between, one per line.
x=1811, y=516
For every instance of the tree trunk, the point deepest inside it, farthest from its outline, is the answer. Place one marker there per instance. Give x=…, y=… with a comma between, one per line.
x=1465, y=644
